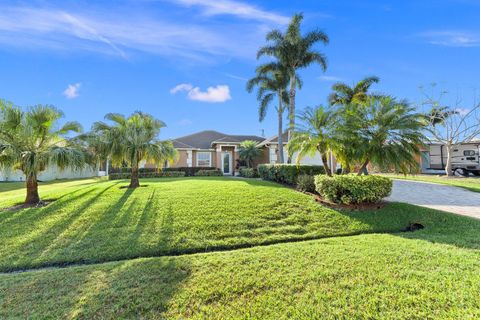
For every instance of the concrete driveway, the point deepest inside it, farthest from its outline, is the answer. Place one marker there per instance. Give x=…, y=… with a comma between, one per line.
x=437, y=196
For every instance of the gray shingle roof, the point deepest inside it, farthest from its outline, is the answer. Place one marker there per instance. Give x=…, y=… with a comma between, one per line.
x=204, y=139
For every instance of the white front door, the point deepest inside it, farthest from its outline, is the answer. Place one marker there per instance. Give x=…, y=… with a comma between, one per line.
x=227, y=162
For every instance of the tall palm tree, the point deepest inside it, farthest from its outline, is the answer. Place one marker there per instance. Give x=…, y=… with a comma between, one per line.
x=294, y=51
x=271, y=84
x=248, y=151
x=317, y=134
x=30, y=142
x=390, y=134
x=133, y=139
x=343, y=94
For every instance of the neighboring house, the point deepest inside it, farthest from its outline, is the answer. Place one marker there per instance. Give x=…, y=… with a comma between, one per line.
x=51, y=173
x=215, y=149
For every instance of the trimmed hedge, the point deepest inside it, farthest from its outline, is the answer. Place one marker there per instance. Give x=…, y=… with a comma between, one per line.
x=248, y=172
x=287, y=173
x=189, y=171
x=353, y=189
x=157, y=174
x=209, y=173
x=306, y=183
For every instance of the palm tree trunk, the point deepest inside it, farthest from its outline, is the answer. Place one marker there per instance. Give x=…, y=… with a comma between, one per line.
x=363, y=168
x=323, y=155
x=280, y=129
x=291, y=108
x=32, y=190
x=134, y=182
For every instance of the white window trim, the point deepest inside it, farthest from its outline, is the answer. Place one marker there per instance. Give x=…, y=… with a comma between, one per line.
x=209, y=158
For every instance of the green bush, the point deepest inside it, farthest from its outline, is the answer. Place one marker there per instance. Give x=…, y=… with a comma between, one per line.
x=353, y=189
x=306, y=183
x=248, y=172
x=189, y=171
x=287, y=173
x=157, y=174
x=209, y=173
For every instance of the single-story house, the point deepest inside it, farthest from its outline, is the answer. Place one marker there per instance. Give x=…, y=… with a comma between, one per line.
x=211, y=148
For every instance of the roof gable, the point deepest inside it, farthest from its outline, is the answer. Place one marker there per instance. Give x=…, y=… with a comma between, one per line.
x=205, y=139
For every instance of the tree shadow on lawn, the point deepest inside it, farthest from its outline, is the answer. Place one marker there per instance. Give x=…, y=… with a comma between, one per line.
x=132, y=289
x=439, y=226
x=249, y=181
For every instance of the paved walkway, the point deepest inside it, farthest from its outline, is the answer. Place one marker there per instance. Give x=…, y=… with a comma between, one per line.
x=437, y=196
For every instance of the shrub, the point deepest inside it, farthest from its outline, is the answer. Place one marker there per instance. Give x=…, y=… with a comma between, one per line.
x=287, y=173
x=353, y=189
x=156, y=174
x=209, y=173
x=306, y=183
x=248, y=173
x=189, y=171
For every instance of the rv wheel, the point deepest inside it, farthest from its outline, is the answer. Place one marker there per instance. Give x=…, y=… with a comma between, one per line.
x=476, y=173
x=461, y=172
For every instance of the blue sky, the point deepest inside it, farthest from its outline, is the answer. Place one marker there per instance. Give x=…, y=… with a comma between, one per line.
x=186, y=61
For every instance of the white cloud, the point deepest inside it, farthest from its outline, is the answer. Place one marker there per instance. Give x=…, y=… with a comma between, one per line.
x=219, y=93
x=123, y=32
x=452, y=38
x=185, y=122
x=330, y=78
x=181, y=87
x=462, y=111
x=235, y=8
x=72, y=91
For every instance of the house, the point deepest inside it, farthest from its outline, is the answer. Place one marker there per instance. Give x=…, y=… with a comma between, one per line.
x=211, y=148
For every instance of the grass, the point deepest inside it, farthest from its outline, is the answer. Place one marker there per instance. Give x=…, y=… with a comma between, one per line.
x=102, y=222
x=428, y=274
x=472, y=184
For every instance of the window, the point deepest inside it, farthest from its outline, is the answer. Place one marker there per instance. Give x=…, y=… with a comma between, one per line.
x=469, y=153
x=204, y=159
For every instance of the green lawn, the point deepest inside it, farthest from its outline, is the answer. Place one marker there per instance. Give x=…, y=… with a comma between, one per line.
x=432, y=273
x=470, y=183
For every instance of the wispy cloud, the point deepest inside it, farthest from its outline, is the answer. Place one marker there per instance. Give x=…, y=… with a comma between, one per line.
x=184, y=122
x=72, y=91
x=124, y=33
x=219, y=93
x=452, y=38
x=236, y=77
x=330, y=78
x=235, y=8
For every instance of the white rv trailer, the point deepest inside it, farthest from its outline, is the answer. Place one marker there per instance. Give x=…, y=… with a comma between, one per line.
x=465, y=158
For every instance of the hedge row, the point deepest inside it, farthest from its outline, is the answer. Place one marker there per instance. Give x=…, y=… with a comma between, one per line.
x=209, y=173
x=287, y=173
x=248, y=172
x=189, y=171
x=353, y=189
x=161, y=174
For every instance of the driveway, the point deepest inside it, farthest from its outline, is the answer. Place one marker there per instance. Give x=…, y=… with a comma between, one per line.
x=437, y=196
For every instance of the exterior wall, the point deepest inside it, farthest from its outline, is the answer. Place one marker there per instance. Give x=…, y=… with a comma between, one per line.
x=51, y=173
x=263, y=158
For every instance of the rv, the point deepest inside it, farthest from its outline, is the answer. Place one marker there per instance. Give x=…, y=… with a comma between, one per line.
x=465, y=158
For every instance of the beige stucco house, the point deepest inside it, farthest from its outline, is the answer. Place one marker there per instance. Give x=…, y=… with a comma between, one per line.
x=215, y=149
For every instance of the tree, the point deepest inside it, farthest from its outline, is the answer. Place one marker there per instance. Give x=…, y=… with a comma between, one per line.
x=316, y=134
x=451, y=125
x=248, y=151
x=271, y=84
x=30, y=142
x=294, y=51
x=343, y=94
x=134, y=139
x=389, y=133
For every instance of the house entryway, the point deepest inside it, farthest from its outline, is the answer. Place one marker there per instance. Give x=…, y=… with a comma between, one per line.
x=227, y=162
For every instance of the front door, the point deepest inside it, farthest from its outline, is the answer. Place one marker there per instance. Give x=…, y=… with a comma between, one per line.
x=227, y=162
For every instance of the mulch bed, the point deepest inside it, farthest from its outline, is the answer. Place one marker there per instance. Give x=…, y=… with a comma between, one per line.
x=348, y=207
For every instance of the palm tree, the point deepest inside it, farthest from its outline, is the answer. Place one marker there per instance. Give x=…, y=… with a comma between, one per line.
x=248, y=151
x=294, y=51
x=271, y=84
x=343, y=94
x=390, y=134
x=133, y=139
x=30, y=142
x=317, y=134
